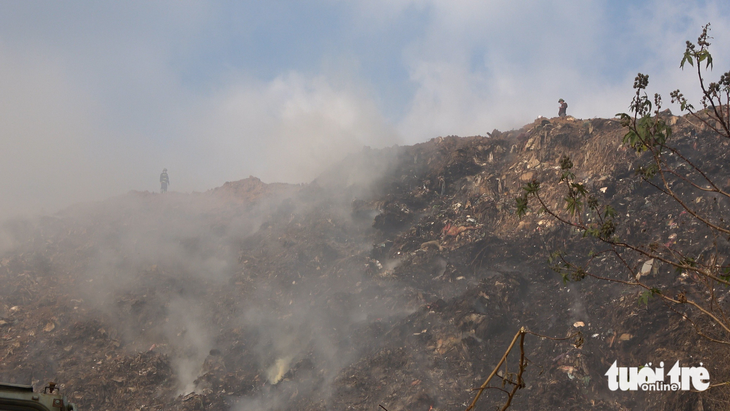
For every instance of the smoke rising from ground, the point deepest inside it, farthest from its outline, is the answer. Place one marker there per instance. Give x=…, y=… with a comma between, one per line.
x=267, y=279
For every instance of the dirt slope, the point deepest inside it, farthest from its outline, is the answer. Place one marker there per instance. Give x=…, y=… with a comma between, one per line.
x=398, y=279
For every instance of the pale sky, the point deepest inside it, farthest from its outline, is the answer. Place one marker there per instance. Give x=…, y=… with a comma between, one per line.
x=97, y=97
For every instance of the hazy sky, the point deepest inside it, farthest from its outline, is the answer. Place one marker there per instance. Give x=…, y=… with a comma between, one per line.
x=97, y=97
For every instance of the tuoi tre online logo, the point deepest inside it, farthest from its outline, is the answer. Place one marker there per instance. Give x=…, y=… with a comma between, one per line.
x=648, y=379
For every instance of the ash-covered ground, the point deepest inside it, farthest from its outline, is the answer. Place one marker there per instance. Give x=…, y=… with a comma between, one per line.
x=396, y=280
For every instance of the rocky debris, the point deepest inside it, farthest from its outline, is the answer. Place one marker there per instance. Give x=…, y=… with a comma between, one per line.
x=393, y=216
x=398, y=278
x=250, y=190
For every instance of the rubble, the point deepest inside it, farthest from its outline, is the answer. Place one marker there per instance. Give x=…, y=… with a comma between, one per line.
x=400, y=290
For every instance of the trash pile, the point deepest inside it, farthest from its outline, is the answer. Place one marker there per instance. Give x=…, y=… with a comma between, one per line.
x=395, y=280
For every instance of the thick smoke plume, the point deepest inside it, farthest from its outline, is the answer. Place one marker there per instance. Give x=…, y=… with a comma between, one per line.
x=266, y=278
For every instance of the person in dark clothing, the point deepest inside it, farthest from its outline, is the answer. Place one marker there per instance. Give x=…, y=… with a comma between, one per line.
x=563, y=107
x=164, y=180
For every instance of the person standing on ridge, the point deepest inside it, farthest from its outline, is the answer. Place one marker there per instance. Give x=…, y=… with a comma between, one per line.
x=164, y=180
x=563, y=107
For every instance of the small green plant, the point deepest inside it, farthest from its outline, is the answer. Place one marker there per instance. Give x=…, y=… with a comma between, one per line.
x=677, y=175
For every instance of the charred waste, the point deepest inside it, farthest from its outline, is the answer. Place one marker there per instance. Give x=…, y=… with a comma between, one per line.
x=396, y=279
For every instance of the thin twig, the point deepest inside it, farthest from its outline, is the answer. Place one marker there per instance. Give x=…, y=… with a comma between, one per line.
x=494, y=372
x=520, y=383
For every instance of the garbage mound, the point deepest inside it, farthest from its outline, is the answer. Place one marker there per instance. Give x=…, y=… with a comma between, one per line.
x=396, y=280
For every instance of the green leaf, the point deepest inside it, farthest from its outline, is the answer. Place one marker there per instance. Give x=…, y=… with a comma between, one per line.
x=573, y=205
x=579, y=188
x=566, y=163
x=705, y=55
x=687, y=58
x=610, y=211
x=607, y=229
x=521, y=205
x=646, y=295
x=532, y=187
x=624, y=119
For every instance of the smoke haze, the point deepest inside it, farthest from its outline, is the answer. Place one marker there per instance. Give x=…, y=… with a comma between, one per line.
x=97, y=99
x=246, y=276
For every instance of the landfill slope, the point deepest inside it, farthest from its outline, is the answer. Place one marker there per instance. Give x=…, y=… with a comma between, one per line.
x=397, y=279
